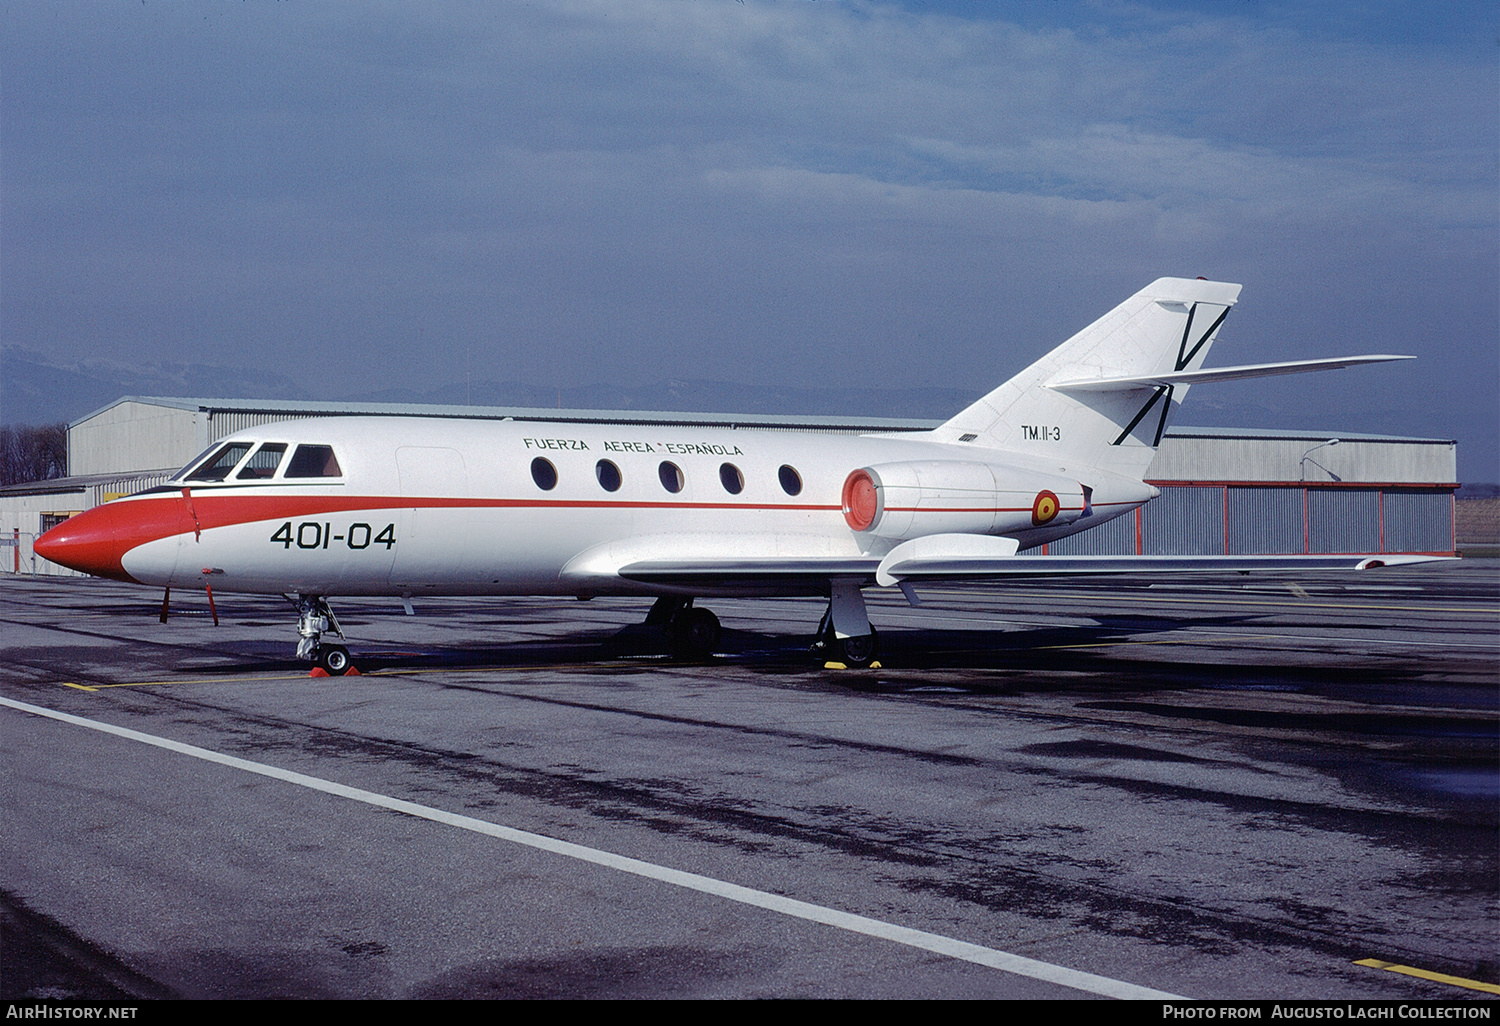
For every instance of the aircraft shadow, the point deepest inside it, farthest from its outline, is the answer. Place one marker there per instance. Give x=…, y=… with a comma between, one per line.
x=1052, y=648
x=1046, y=658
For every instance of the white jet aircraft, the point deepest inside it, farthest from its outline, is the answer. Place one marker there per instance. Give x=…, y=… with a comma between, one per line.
x=411, y=507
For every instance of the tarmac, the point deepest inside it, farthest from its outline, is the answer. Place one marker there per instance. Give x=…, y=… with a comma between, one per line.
x=1224, y=786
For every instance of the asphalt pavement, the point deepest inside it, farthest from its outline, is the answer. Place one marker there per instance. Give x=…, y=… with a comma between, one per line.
x=1217, y=787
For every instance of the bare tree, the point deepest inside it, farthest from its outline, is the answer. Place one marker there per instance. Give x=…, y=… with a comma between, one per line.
x=33, y=452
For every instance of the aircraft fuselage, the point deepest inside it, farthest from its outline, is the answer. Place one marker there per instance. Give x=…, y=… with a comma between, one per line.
x=460, y=507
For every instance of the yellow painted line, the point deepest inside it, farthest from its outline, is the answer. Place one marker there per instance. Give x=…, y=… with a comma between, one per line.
x=305, y=676
x=206, y=680
x=462, y=669
x=1323, y=605
x=1406, y=970
x=1187, y=639
x=604, y=664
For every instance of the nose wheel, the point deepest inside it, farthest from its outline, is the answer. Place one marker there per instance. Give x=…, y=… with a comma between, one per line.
x=334, y=659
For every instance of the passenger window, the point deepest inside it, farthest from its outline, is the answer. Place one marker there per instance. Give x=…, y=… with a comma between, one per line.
x=791, y=481
x=314, y=461
x=264, y=463
x=608, y=475
x=731, y=478
x=544, y=474
x=671, y=477
x=218, y=466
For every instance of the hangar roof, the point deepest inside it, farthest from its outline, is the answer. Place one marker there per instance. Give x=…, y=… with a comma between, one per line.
x=302, y=408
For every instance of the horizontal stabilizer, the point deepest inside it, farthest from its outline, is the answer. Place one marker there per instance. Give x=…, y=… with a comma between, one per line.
x=1198, y=377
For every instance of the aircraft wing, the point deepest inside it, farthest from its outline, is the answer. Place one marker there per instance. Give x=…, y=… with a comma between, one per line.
x=772, y=576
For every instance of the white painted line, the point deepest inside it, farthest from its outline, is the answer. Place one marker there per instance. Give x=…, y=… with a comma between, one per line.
x=1019, y=965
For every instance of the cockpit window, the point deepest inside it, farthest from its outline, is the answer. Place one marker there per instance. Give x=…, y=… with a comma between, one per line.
x=218, y=466
x=313, y=461
x=181, y=475
x=264, y=463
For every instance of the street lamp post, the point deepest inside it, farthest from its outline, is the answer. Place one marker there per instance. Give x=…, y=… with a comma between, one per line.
x=1302, y=466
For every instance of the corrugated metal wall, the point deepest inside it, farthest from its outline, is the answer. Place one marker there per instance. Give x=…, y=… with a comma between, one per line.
x=1264, y=520
x=1111, y=538
x=1191, y=454
x=1417, y=521
x=1343, y=520
x=1184, y=522
x=227, y=422
x=1209, y=520
x=133, y=436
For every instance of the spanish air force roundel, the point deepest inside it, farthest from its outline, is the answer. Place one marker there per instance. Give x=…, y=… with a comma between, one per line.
x=1044, y=508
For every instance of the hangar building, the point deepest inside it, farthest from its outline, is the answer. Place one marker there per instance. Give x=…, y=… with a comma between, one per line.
x=1223, y=490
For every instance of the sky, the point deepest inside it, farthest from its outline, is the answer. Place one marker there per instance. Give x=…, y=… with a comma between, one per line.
x=825, y=193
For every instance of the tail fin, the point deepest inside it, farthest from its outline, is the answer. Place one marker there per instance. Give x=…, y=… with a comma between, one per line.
x=1164, y=329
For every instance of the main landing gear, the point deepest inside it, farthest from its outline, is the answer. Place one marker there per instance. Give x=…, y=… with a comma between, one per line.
x=845, y=634
x=314, y=616
x=692, y=632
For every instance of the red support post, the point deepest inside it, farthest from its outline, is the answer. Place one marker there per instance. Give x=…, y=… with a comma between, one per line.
x=1226, y=520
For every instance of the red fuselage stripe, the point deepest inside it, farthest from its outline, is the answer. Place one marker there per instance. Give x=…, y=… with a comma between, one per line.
x=99, y=539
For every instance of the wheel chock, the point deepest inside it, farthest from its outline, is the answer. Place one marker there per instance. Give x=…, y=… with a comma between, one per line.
x=834, y=666
x=318, y=671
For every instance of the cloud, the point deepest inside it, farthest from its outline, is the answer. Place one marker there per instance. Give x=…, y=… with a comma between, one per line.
x=761, y=191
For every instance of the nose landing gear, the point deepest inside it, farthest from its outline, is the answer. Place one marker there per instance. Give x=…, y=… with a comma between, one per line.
x=314, y=616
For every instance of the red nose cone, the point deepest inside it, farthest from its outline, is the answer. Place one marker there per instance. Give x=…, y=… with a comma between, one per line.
x=86, y=543
x=96, y=541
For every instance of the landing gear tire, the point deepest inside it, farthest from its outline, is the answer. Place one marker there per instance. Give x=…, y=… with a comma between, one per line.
x=695, y=633
x=334, y=659
x=855, y=651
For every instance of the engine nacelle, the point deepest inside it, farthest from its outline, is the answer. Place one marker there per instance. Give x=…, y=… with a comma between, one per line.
x=922, y=497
